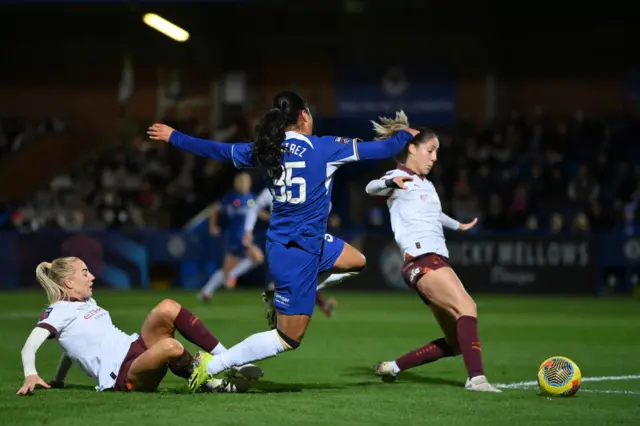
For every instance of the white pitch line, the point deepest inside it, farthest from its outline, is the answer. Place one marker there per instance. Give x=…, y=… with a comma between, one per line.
x=522, y=385
x=623, y=392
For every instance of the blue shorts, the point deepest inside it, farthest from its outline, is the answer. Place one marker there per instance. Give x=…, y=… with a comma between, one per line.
x=331, y=251
x=233, y=245
x=295, y=273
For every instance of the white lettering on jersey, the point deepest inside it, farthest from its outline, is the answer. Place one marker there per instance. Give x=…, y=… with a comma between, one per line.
x=295, y=149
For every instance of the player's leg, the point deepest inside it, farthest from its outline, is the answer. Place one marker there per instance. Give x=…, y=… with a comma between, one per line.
x=219, y=278
x=442, y=288
x=295, y=272
x=254, y=257
x=267, y=298
x=340, y=260
x=327, y=306
x=169, y=316
x=439, y=348
x=231, y=260
x=147, y=370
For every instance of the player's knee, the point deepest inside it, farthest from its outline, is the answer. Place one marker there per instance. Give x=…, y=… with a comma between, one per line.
x=288, y=342
x=256, y=256
x=168, y=307
x=360, y=262
x=172, y=348
x=468, y=308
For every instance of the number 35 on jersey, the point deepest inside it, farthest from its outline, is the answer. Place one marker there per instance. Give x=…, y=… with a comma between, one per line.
x=290, y=189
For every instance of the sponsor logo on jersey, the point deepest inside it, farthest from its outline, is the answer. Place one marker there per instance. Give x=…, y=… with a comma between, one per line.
x=413, y=274
x=345, y=141
x=45, y=314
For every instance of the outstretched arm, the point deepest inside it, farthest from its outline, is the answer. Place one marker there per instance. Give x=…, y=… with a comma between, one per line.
x=453, y=224
x=449, y=222
x=32, y=379
x=385, y=185
x=240, y=154
x=346, y=150
x=385, y=148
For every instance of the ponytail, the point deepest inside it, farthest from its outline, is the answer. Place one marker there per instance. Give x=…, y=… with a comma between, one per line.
x=51, y=276
x=268, y=149
x=390, y=126
x=270, y=132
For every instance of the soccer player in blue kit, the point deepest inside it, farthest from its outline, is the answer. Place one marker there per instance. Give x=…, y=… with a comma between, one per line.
x=299, y=169
x=240, y=256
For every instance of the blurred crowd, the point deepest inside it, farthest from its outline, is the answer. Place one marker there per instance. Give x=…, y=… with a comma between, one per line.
x=16, y=133
x=528, y=174
x=551, y=174
x=135, y=183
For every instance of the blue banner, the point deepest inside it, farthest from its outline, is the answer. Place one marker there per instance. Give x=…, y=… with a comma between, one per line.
x=120, y=260
x=426, y=96
x=594, y=263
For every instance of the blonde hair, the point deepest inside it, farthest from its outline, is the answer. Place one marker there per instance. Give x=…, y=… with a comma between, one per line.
x=390, y=126
x=51, y=277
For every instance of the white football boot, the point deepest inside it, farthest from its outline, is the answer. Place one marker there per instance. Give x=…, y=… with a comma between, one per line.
x=235, y=380
x=385, y=370
x=480, y=384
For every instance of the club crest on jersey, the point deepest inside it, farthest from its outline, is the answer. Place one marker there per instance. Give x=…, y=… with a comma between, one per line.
x=345, y=141
x=45, y=314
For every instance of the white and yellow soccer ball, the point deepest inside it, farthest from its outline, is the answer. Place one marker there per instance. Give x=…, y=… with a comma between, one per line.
x=559, y=376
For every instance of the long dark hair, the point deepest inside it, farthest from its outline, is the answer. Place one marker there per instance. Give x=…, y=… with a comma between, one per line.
x=270, y=132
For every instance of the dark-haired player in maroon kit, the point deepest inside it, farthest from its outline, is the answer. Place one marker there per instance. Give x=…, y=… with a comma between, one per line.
x=417, y=221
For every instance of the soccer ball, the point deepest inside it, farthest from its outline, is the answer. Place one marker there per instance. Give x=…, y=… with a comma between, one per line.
x=559, y=376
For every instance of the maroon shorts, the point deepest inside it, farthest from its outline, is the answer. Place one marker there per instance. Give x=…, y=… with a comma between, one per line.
x=415, y=267
x=136, y=349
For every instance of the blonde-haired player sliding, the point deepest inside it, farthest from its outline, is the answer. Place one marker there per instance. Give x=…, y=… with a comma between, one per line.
x=111, y=358
x=417, y=221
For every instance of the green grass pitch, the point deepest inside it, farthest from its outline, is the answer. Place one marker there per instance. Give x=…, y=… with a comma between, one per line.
x=329, y=379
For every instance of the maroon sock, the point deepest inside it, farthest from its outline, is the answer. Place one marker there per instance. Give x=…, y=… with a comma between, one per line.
x=428, y=353
x=320, y=301
x=183, y=366
x=194, y=330
x=470, y=345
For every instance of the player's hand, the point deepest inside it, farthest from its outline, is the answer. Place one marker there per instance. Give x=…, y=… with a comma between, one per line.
x=30, y=383
x=466, y=226
x=414, y=132
x=247, y=239
x=55, y=384
x=400, y=180
x=160, y=132
x=215, y=231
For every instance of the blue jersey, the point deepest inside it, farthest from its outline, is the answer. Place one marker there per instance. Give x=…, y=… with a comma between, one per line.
x=236, y=206
x=302, y=195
